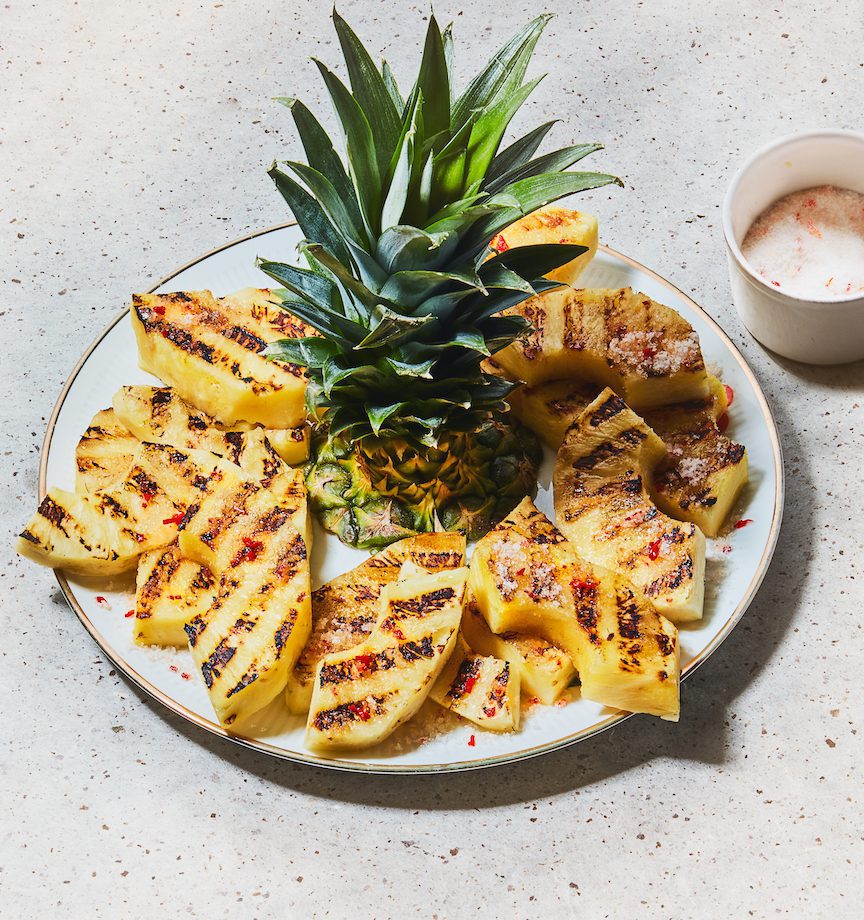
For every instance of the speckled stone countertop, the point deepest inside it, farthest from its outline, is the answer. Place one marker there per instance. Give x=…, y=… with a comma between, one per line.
x=135, y=136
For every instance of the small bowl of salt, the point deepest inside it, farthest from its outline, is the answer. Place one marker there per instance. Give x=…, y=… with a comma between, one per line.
x=793, y=219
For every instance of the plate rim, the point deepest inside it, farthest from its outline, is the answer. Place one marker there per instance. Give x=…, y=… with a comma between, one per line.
x=308, y=758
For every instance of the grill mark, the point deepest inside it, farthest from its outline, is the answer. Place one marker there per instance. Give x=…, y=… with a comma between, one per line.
x=344, y=714
x=248, y=678
x=162, y=396
x=26, y=535
x=606, y=410
x=283, y=634
x=468, y=670
x=193, y=629
x=413, y=650
x=52, y=512
x=244, y=337
x=217, y=526
x=666, y=644
x=415, y=606
x=673, y=579
x=212, y=667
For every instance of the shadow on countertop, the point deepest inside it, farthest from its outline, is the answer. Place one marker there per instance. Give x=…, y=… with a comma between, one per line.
x=708, y=700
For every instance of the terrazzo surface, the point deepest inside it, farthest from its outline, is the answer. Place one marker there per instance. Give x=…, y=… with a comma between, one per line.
x=135, y=136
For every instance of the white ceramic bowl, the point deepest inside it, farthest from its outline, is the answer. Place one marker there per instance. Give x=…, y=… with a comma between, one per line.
x=825, y=331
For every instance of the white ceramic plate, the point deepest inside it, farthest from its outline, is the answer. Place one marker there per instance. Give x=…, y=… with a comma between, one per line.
x=733, y=575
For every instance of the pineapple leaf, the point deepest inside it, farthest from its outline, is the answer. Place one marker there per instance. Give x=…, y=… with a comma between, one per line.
x=510, y=61
x=331, y=201
x=392, y=328
x=401, y=247
x=370, y=91
x=304, y=283
x=498, y=275
x=410, y=288
x=536, y=191
x=392, y=88
x=534, y=261
x=309, y=352
x=433, y=81
x=401, y=168
x=411, y=368
x=377, y=415
x=548, y=163
x=330, y=324
x=518, y=152
x=309, y=215
x=342, y=276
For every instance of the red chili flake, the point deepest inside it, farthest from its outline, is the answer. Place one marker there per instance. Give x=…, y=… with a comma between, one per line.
x=499, y=244
x=102, y=602
x=472, y=741
x=775, y=283
x=730, y=394
x=520, y=572
x=725, y=548
x=583, y=588
x=159, y=311
x=129, y=613
x=173, y=667
x=723, y=422
x=810, y=202
x=185, y=676
x=470, y=683
x=654, y=549
x=649, y=351
x=249, y=552
x=166, y=332
x=489, y=711
x=398, y=634
x=147, y=496
x=365, y=662
x=174, y=519
x=361, y=710
x=743, y=523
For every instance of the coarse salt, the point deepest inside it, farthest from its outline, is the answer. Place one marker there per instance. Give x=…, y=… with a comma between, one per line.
x=811, y=243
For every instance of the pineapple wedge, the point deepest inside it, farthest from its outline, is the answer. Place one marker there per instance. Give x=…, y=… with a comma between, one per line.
x=361, y=695
x=104, y=453
x=545, y=670
x=170, y=591
x=158, y=414
x=210, y=352
x=617, y=338
x=553, y=225
x=482, y=689
x=603, y=508
x=703, y=473
x=246, y=643
x=526, y=577
x=104, y=533
x=344, y=610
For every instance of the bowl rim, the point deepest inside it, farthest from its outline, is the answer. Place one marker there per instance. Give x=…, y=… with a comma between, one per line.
x=726, y=218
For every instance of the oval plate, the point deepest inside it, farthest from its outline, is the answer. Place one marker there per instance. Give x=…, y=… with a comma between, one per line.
x=438, y=743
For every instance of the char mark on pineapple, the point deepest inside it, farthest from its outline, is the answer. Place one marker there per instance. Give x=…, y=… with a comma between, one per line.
x=161, y=575
x=26, y=535
x=467, y=674
x=212, y=667
x=193, y=630
x=603, y=453
x=161, y=397
x=439, y=560
x=283, y=634
x=185, y=341
x=426, y=603
x=112, y=507
x=672, y=579
x=665, y=643
x=52, y=512
x=244, y=337
x=413, y=651
x=608, y=409
x=248, y=678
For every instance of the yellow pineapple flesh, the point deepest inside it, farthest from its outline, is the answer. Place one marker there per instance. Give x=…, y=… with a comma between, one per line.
x=482, y=689
x=545, y=670
x=553, y=224
x=361, y=695
x=344, y=610
x=209, y=351
x=170, y=591
x=104, y=453
x=603, y=508
x=527, y=578
x=617, y=338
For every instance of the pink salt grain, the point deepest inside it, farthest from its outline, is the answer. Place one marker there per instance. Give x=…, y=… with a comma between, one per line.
x=810, y=244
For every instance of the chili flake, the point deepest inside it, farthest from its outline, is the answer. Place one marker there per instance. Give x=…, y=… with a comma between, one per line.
x=129, y=613
x=472, y=741
x=654, y=549
x=159, y=310
x=365, y=662
x=730, y=394
x=743, y=523
x=470, y=684
x=102, y=602
x=185, y=676
x=723, y=422
x=173, y=667
x=499, y=244
x=174, y=519
x=361, y=710
x=250, y=551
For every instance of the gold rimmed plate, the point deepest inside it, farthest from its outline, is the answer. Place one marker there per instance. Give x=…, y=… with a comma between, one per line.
x=434, y=742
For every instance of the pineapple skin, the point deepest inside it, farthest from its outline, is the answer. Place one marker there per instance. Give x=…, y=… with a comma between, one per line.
x=526, y=577
x=604, y=509
x=554, y=225
x=545, y=671
x=345, y=610
x=617, y=338
x=361, y=695
x=482, y=689
x=170, y=591
x=209, y=352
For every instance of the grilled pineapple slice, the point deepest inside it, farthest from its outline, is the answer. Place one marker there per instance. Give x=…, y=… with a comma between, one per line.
x=703, y=472
x=604, y=510
x=553, y=225
x=292, y=444
x=104, y=533
x=617, y=338
x=104, y=453
x=344, y=611
x=482, y=689
x=545, y=671
x=526, y=577
x=210, y=352
x=246, y=643
x=361, y=695
x=170, y=591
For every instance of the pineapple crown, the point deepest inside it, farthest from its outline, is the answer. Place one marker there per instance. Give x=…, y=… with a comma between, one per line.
x=401, y=282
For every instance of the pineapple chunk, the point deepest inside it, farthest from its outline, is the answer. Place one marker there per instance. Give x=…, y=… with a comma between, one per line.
x=361, y=695
x=604, y=510
x=526, y=577
x=545, y=671
x=170, y=591
x=703, y=473
x=482, y=689
x=292, y=444
x=617, y=338
x=344, y=610
x=246, y=643
x=104, y=453
x=104, y=533
x=210, y=352
x=553, y=225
